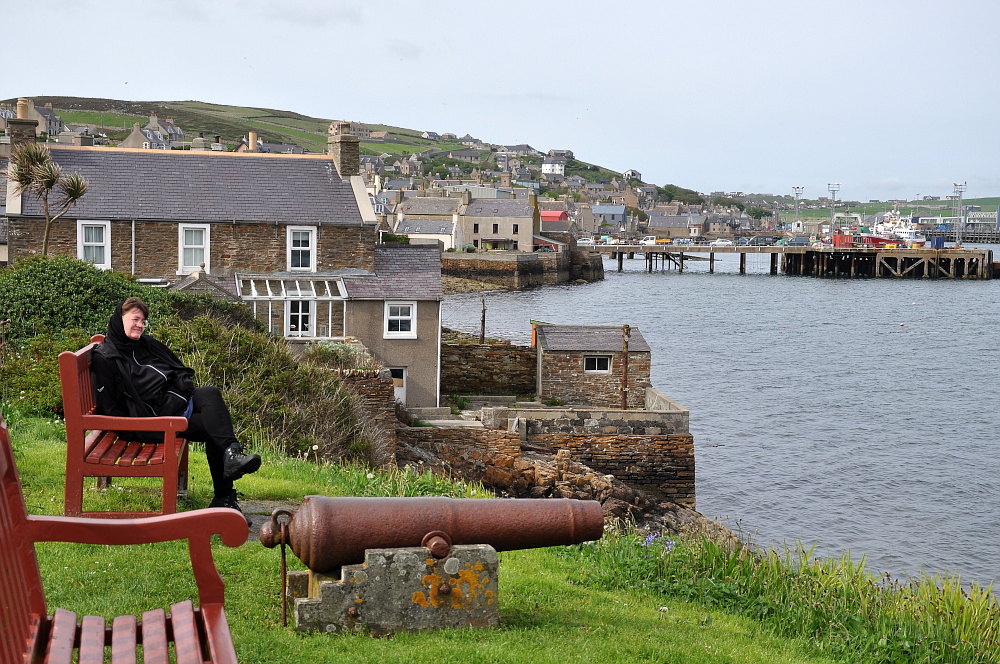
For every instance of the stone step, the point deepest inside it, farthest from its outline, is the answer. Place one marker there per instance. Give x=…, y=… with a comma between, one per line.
x=442, y=413
x=465, y=424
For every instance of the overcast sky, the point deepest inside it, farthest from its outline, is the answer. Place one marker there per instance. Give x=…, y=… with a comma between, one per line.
x=890, y=98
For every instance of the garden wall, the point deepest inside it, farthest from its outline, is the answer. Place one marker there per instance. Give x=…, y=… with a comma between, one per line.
x=497, y=367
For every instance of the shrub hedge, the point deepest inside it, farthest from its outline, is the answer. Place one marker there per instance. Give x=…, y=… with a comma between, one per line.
x=57, y=304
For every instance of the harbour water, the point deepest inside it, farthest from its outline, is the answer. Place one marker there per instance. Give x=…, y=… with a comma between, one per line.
x=857, y=415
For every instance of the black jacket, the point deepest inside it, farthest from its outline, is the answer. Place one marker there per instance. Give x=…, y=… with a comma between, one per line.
x=138, y=378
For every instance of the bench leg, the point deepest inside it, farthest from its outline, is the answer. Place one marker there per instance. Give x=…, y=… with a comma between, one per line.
x=182, y=475
x=73, y=498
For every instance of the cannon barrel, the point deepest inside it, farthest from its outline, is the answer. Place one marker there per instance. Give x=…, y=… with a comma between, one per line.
x=326, y=533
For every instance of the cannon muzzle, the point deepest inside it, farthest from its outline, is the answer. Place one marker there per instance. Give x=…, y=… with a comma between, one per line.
x=328, y=533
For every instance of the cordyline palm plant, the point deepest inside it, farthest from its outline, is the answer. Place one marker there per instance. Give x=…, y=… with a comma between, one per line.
x=32, y=169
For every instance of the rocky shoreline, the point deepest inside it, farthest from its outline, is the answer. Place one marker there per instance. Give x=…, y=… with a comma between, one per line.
x=455, y=285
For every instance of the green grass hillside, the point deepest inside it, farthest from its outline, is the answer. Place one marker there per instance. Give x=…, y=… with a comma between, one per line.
x=232, y=123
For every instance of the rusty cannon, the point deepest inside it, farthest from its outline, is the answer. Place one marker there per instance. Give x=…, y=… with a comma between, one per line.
x=327, y=533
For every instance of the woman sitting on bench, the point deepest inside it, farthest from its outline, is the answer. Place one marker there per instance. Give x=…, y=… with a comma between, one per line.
x=135, y=375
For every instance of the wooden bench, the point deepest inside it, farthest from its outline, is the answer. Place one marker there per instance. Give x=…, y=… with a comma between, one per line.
x=93, y=449
x=29, y=634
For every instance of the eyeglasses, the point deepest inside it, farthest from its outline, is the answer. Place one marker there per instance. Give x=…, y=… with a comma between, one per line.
x=141, y=322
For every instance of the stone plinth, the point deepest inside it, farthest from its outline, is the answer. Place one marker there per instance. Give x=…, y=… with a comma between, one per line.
x=401, y=590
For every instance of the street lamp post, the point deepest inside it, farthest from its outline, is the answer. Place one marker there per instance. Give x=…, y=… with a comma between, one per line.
x=834, y=187
x=960, y=217
x=798, y=194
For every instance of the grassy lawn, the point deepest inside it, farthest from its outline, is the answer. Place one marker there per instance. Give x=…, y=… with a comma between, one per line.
x=626, y=598
x=549, y=610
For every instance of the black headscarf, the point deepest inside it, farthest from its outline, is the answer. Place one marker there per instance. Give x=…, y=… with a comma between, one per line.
x=116, y=332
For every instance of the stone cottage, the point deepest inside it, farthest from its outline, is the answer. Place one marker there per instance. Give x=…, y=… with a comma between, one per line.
x=603, y=366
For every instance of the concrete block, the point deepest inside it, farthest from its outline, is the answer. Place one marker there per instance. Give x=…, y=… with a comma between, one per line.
x=403, y=589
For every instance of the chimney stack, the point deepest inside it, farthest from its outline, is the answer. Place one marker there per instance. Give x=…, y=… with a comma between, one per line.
x=21, y=129
x=345, y=150
x=252, y=142
x=200, y=143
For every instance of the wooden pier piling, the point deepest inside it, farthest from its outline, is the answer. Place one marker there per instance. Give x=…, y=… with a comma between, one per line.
x=825, y=261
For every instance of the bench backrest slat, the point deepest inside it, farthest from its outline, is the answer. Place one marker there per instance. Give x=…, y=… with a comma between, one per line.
x=22, y=597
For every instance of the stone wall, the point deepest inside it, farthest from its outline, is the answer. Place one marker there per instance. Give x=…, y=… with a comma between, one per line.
x=239, y=247
x=374, y=387
x=479, y=455
x=522, y=270
x=498, y=367
x=649, y=451
x=659, y=464
x=588, y=421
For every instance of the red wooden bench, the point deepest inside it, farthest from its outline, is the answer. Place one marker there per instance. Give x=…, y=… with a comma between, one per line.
x=29, y=634
x=93, y=449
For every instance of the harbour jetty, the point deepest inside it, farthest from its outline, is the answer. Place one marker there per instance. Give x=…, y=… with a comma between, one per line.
x=824, y=260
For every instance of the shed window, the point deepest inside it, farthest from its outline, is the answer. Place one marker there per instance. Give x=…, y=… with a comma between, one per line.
x=597, y=364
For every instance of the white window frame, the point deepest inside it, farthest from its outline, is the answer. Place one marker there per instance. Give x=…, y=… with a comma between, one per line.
x=188, y=269
x=597, y=361
x=289, y=235
x=391, y=315
x=81, y=226
x=310, y=315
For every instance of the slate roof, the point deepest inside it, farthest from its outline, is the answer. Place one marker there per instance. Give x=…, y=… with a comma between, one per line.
x=407, y=271
x=205, y=186
x=672, y=221
x=426, y=226
x=589, y=338
x=430, y=205
x=609, y=209
x=498, y=207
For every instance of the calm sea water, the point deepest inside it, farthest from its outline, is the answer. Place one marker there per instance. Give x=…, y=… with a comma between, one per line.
x=856, y=415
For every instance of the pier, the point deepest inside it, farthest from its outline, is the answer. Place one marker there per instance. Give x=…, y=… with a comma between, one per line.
x=824, y=261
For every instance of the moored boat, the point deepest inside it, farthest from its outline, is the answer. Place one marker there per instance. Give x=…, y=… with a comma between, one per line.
x=896, y=228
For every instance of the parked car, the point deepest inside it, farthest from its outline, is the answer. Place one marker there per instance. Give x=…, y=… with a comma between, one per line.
x=762, y=240
x=585, y=240
x=721, y=242
x=648, y=239
x=798, y=241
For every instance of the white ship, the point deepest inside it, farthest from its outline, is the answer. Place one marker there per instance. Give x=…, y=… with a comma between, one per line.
x=895, y=227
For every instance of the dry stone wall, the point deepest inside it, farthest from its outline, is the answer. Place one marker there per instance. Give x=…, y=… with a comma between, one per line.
x=498, y=367
x=374, y=387
x=659, y=464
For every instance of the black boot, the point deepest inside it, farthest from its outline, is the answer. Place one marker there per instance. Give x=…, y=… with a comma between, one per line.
x=235, y=464
x=229, y=500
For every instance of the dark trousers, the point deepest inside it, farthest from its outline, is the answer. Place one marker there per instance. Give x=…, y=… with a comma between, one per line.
x=211, y=423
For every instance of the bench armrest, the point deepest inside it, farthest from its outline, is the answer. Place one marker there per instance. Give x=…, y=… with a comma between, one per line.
x=111, y=423
x=197, y=527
